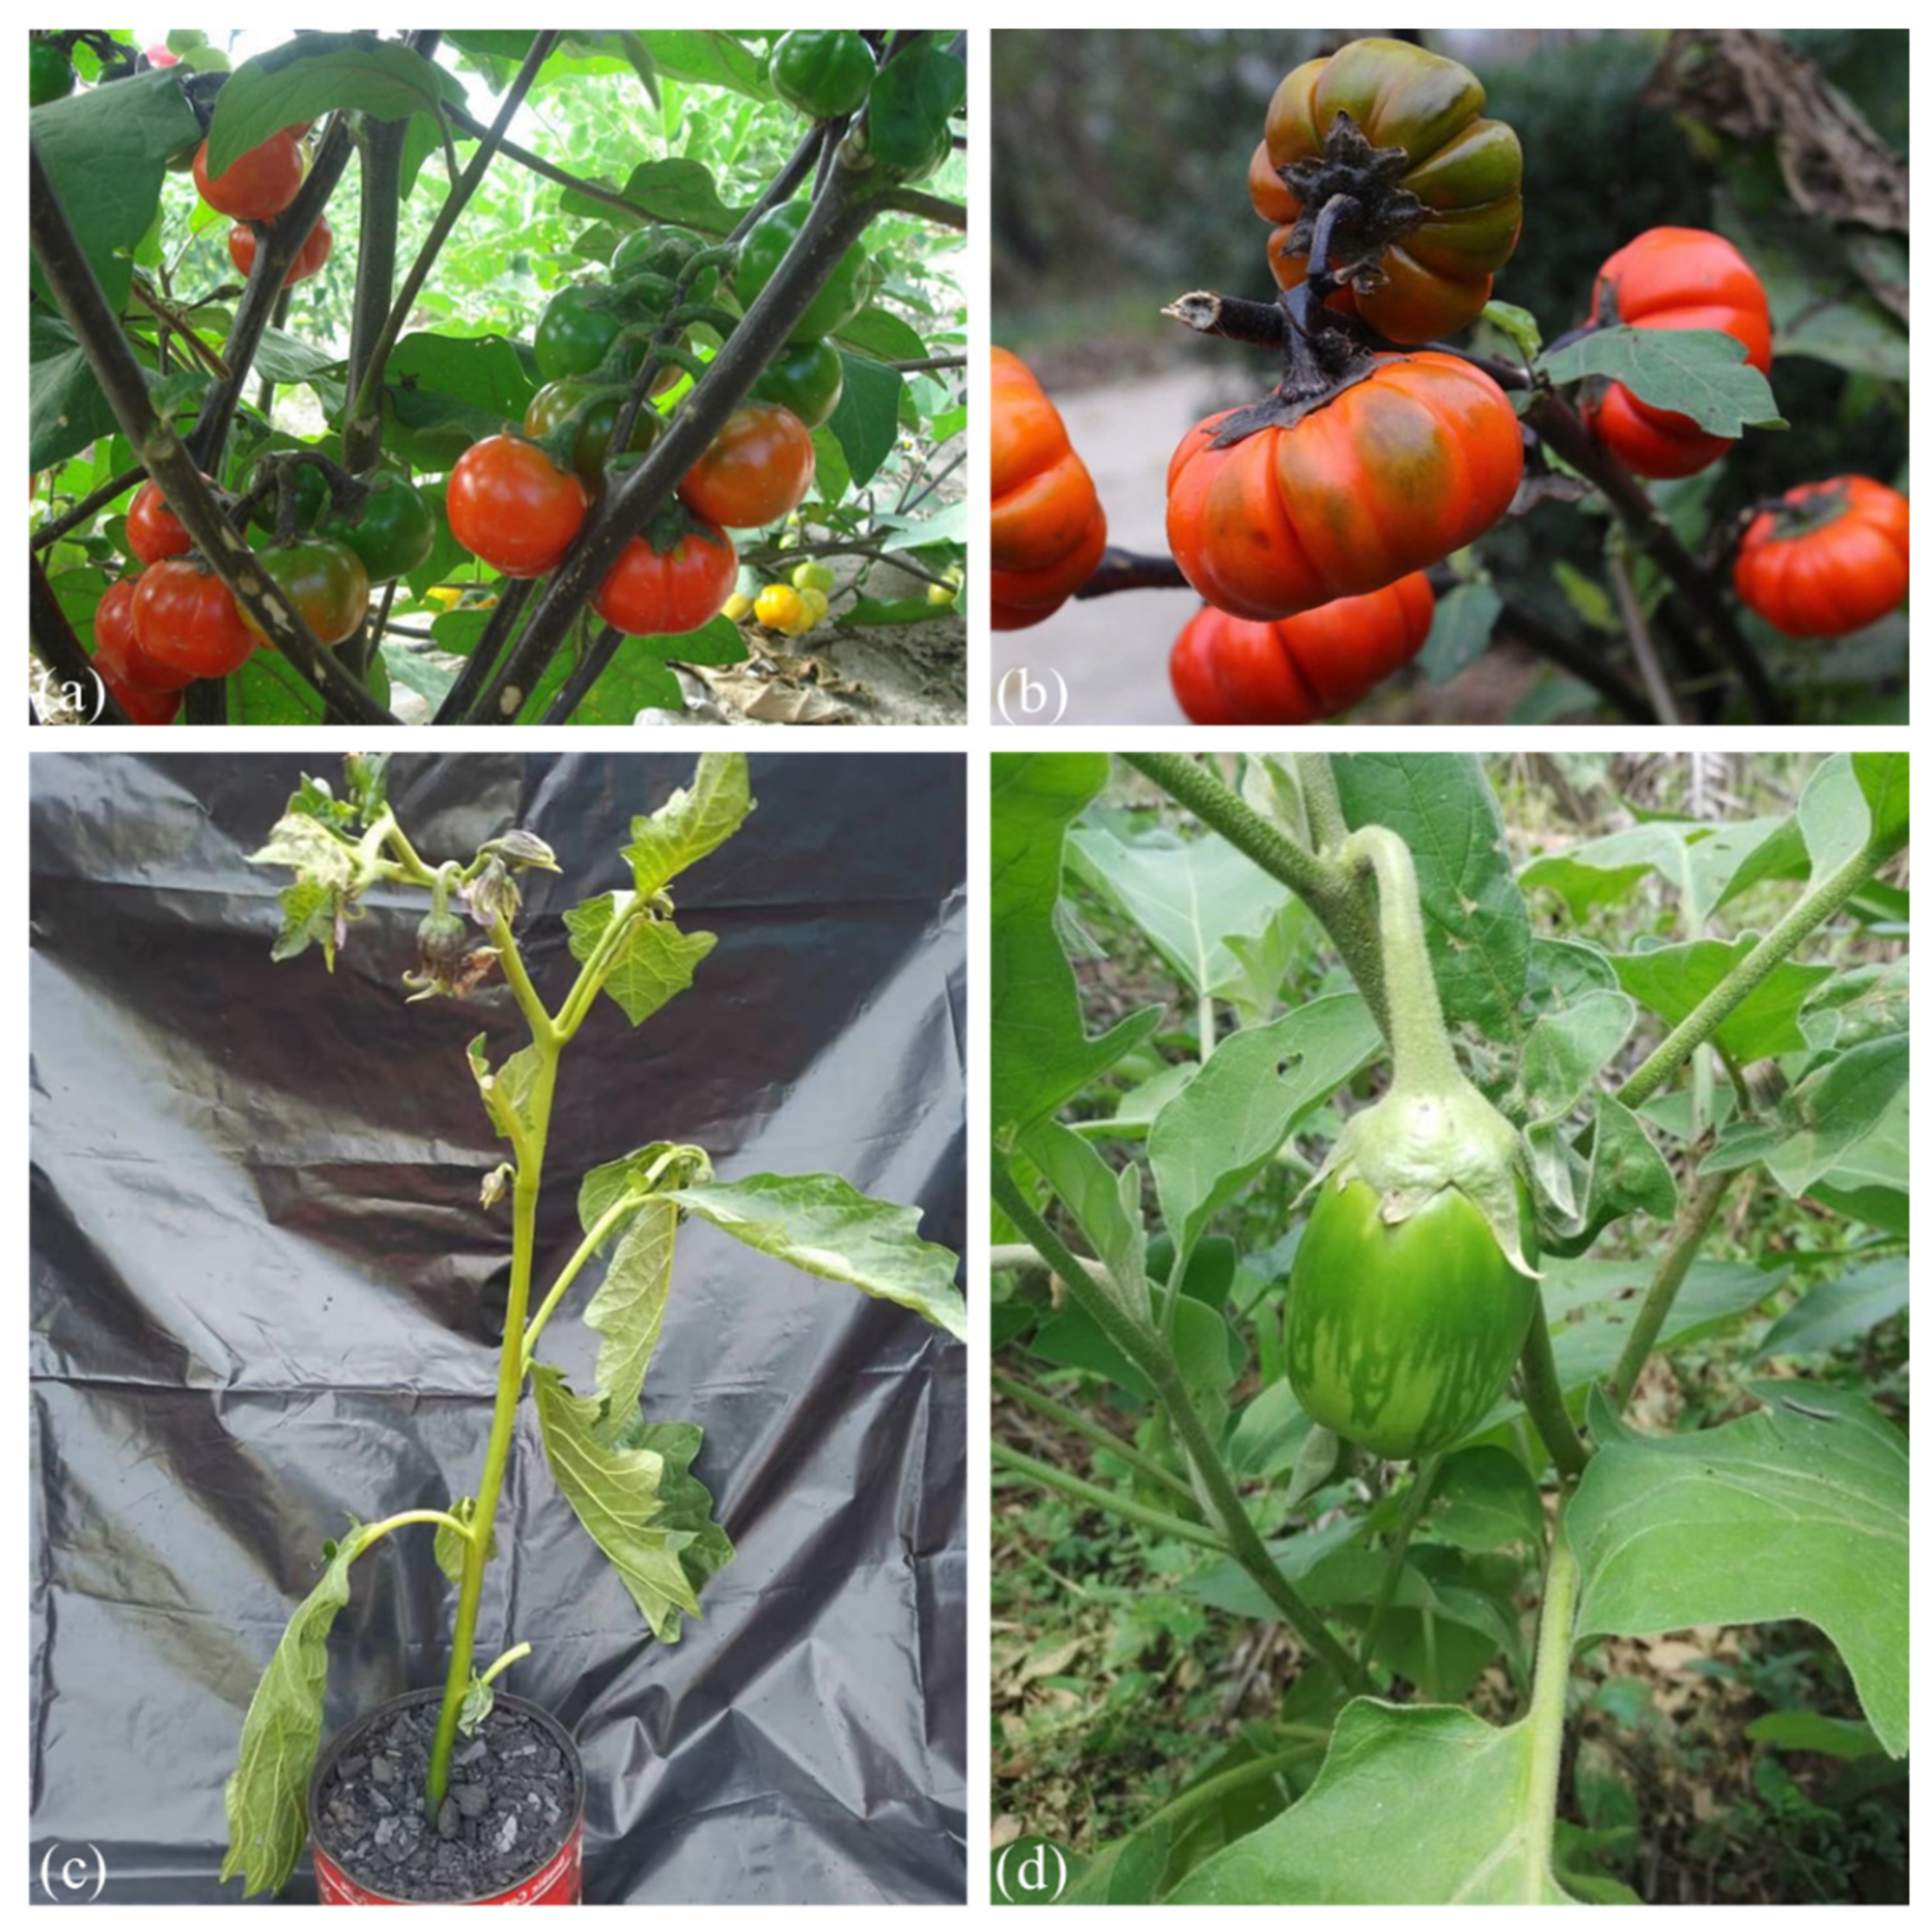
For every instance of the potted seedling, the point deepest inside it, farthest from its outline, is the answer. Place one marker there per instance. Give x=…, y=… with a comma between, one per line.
x=465, y=1795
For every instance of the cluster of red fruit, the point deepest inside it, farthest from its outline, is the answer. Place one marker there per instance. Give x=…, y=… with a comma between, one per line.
x=510, y=505
x=174, y=621
x=257, y=186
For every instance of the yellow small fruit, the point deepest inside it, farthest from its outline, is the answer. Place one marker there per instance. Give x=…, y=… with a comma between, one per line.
x=737, y=606
x=941, y=593
x=779, y=607
x=811, y=577
x=816, y=602
x=444, y=596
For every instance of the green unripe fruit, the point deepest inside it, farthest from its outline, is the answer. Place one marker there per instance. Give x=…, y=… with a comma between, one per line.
x=839, y=298
x=1401, y=1337
x=665, y=250
x=822, y=71
x=49, y=74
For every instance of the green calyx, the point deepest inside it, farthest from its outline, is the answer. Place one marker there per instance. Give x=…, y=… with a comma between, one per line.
x=1413, y=1146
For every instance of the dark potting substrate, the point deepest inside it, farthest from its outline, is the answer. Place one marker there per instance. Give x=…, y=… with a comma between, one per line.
x=512, y=1799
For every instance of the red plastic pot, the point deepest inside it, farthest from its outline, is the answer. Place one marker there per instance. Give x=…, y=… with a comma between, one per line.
x=558, y=1880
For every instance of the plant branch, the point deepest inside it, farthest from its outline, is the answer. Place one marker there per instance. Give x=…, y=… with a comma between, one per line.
x=1693, y=1223
x=543, y=1027
x=578, y=184
x=1345, y=908
x=441, y=1519
x=1542, y=1395
x=933, y=207
x=478, y=665
x=51, y=532
x=1824, y=900
x=1125, y=1507
x=368, y=394
x=1127, y=570
x=590, y=978
x=1638, y=633
x=1103, y=1437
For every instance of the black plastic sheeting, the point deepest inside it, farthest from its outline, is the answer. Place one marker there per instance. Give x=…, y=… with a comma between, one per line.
x=265, y=1297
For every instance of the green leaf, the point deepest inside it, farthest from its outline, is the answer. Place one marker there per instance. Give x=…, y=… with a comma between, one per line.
x=1232, y=1119
x=1822, y=1120
x=1885, y=778
x=1706, y=863
x=866, y=422
x=1486, y=1500
x=884, y=337
x=822, y=1224
x=684, y=1503
x=506, y=1092
x=1835, y=1312
x=637, y=678
x=675, y=189
x=105, y=151
x=478, y=1700
x=1190, y=899
x=614, y=1491
x=1041, y=1054
x=303, y=79
x=653, y=963
x=1672, y=981
x=1106, y=1206
x=1798, y=1510
x=604, y=1186
x=628, y=1308
x=913, y=98
x=268, y=1823
x=1700, y=373
x=691, y=823
x=1419, y=1805
x=1460, y=630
